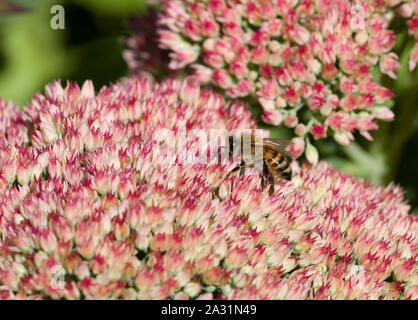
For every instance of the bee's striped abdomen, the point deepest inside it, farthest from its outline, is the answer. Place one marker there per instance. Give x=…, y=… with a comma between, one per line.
x=268, y=155
x=277, y=162
x=287, y=174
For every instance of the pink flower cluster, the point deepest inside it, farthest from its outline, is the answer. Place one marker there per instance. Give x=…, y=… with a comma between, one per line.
x=88, y=210
x=308, y=63
x=12, y=127
x=409, y=10
x=142, y=54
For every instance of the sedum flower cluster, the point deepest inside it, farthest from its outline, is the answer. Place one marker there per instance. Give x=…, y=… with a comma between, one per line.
x=142, y=54
x=310, y=64
x=88, y=210
x=409, y=9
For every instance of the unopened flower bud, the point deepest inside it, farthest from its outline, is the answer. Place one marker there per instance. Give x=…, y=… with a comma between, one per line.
x=311, y=154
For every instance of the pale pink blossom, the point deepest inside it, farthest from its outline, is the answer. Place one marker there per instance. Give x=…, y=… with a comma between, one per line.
x=122, y=223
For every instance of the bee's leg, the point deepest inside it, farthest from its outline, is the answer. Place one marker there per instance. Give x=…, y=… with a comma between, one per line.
x=241, y=167
x=271, y=182
x=267, y=178
x=230, y=172
x=263, y=182
x=236, y=168
x=218, y=154
x=264, y=176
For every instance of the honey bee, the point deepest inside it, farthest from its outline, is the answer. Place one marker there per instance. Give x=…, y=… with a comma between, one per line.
x=275, y=165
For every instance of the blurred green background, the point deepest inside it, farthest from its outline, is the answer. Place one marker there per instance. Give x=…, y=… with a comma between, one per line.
x=32, y=54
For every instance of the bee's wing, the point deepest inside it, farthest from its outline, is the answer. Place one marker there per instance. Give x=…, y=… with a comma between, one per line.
x=278, y=144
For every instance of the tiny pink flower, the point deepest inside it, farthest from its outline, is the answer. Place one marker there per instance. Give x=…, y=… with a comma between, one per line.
x=272, y=117
x=48, y=241
x=389, y=64
x=318, y=131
